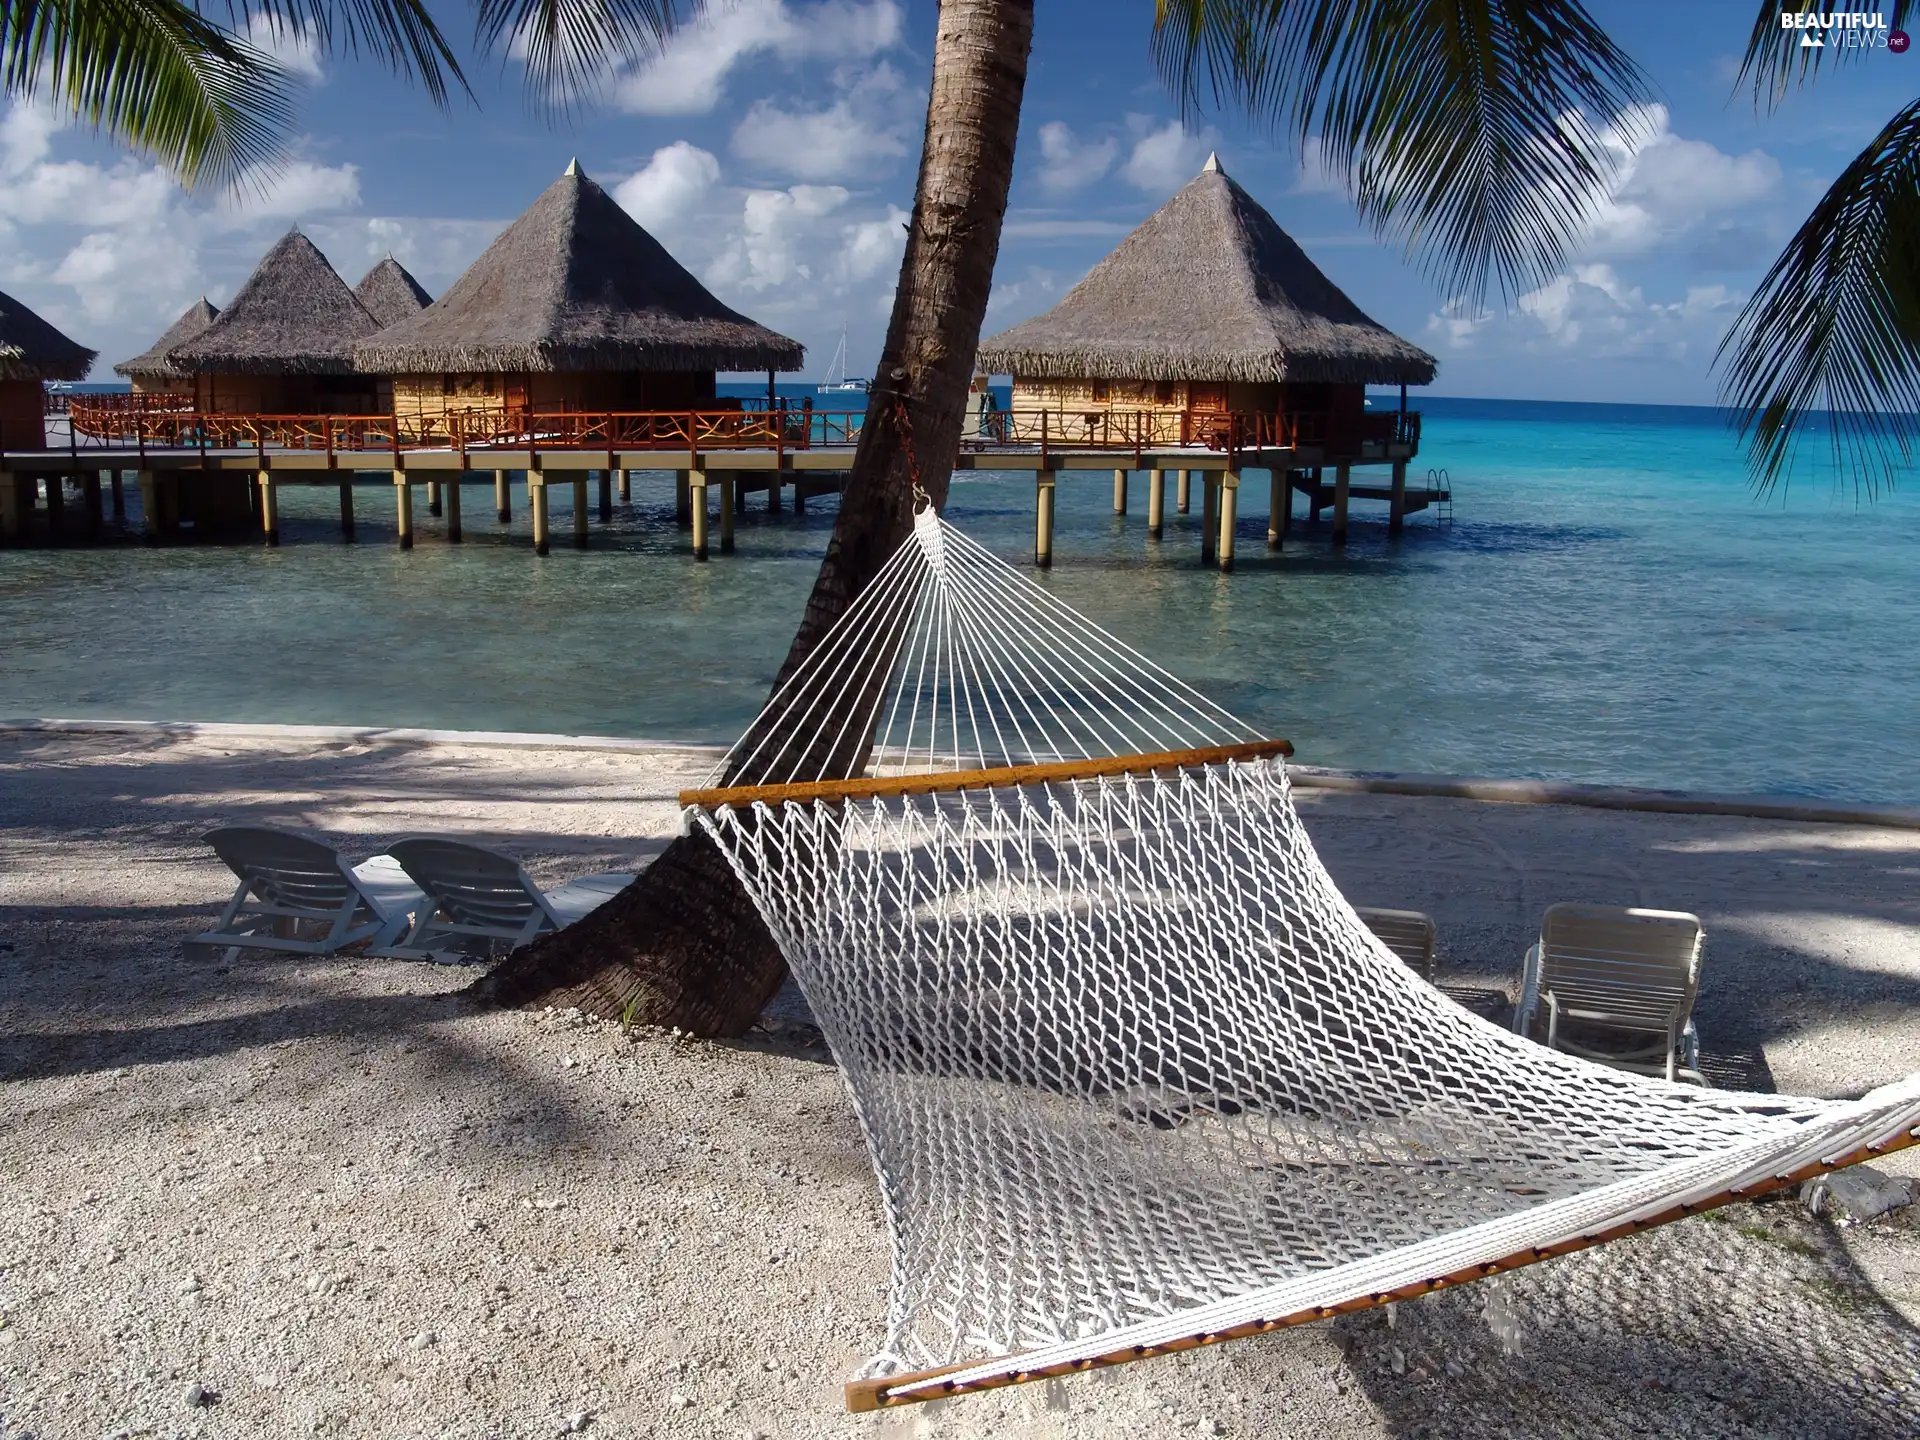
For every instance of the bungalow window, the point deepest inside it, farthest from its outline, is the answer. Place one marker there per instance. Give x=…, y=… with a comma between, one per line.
x=1100, y=389
x=446, y=384
x=1163, y=392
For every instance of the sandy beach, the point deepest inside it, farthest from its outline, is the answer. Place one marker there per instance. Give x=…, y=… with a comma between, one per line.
x=334, y=1197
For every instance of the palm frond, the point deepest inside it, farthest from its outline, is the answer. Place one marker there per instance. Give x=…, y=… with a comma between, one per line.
x=1831, y=329
x=1776, y=61
x=153, y=74
x=400, y=34
x=1466, y=129
x=571, y=46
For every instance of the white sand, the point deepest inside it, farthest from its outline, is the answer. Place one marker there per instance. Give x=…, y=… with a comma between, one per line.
x=344, y=1201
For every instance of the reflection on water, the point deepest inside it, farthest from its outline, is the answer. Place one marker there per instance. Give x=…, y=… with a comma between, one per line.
x=1611, y=604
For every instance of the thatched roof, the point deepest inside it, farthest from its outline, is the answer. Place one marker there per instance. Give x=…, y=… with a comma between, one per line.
x=390, y=293
x=31, y=349
x=294, y=316
x=154, y=364
x=576, y=284
x=1208, y=288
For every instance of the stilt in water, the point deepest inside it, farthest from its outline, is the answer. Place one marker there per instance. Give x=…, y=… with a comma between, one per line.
x=433, y=498
x=580, y=512
x=454, y=536
x=1043, y=519
x=537, y=503
x=1279, y=501
x=696, y=488
x=1209, y=516
x=1120, y=492
x=269, y=507
x=1342, y=484
x=1156, y=503
x=729, y=490
x=403, y=504
x=346, y=509
x=606, y=497
x=626, y=486
x=1182, y=497
x=502, y=497
x=1397, y=505
x=1229, y=507
x=119, y=497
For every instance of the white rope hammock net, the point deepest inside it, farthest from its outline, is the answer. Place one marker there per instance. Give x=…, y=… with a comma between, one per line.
x=1130, y=1069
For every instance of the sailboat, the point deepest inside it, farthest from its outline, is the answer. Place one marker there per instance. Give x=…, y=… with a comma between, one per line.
x=836, y=380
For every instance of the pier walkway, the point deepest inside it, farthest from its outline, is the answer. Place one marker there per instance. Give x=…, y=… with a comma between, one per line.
x=206, y=474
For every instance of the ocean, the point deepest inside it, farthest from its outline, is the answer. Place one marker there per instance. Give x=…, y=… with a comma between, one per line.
x=1611, y=603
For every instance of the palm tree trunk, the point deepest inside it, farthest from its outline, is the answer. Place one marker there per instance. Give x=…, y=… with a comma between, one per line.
x=683, y=945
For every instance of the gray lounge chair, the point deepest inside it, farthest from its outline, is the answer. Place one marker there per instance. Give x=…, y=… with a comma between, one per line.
x=1407, y=933
x=1604, y=969
x=302, y=897
x=480, y=901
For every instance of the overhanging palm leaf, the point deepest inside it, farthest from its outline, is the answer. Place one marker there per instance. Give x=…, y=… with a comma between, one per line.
x=1465, y=128
x=1776, y=60
x=1833, y=326
x=571, y=46
x=398, y=33
x=153, y=73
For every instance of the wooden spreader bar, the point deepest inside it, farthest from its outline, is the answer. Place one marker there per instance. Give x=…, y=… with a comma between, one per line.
x=1005, y=775
x=887, y=1393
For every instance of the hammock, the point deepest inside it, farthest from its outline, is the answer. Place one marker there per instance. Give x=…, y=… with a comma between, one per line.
x=1133, y=1076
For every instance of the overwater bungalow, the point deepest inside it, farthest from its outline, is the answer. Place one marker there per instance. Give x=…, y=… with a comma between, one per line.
x=574, y=307
x=284, y=344
x=390, y=293
x=1209, y=309
x=154, y=372
x=32, y=352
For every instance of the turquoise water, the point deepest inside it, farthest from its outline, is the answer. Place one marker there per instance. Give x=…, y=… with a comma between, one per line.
x=1610, y=604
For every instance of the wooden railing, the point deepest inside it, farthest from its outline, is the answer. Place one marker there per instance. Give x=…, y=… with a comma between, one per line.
x=161, y=421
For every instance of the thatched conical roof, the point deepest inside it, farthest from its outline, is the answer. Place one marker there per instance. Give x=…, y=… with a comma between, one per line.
x=390, y=293
x=1208, y=288
x=154, y=364
x=576, y=284
x=294, y=316
x=31, y=349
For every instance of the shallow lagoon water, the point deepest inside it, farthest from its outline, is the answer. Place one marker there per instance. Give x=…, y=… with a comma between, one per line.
x=1611, y=604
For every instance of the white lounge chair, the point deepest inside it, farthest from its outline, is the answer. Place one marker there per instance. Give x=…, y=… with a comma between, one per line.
x=1610, y=969
x=290, y=884
x=479, y=899
x=1407, y=933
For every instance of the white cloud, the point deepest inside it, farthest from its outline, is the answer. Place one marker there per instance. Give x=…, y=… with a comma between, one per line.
x=1668, y=188
x=290, y=189
x=690, y=75
x=851, y=139
x=1067, y=163
x=1165, y=157
x=1316, y=175
x=669, y=187
x=434, y=250
x=1594, y=312
x=293, y=48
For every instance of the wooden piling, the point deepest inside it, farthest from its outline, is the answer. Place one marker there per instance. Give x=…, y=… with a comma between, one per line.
x=1120, y=492
x=1342, y=484
x=403, y=505
x=773, y=492
x=1209, y=517
x=729, y=489
x=346, y=509
x=1182, y=497
x=626, y=486
x=580, y=512
x=149, y=505
x=433, y=498
x=1229, y=506
x=269, y=506
x=90, y=495
x=1318, y=504
x=799, y=495
x=1279, y=503
x=537, y=503
x=1043, y=519
x=502, y=497
x=1397, y=503
x=683, y=498
x=454, y=537
x=15, y=502
x=119, y=496
x=606, y=497
x=695, y=486
x=1156, y=503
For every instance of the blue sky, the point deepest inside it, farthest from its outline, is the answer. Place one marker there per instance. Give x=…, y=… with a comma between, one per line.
x=773, y=148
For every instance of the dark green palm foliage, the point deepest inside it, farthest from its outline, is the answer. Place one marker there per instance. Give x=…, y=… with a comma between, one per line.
x=194, y=96
x=1832, y=330
x=1468, y=129
x=164, y=78
x=567, y=44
